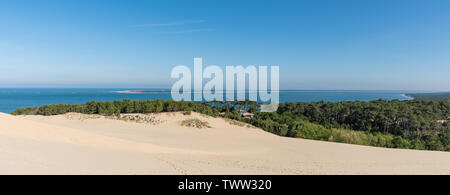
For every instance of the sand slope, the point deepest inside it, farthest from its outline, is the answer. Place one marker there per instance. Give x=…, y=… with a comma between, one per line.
x=88, y=144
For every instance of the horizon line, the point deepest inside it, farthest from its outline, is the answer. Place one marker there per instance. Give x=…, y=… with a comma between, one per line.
x=169, y=89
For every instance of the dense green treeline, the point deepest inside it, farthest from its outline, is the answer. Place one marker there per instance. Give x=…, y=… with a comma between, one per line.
x=391, y=124
x=298, y=126
x=414, y=120
x=431, y=96
x=117, y=107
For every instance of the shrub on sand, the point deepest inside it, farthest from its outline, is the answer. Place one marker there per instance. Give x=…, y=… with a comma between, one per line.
x=195, y=123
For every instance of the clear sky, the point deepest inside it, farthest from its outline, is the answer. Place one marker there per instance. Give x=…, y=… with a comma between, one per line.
x=335, y=44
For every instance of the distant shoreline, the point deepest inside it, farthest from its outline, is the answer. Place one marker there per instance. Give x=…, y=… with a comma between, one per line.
x=139, y=91
x=430, y=96
x=167, y=91
x=408, y=96
x=238, y=91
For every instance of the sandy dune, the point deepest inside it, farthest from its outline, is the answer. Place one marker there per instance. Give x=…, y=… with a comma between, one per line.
x=89, y=144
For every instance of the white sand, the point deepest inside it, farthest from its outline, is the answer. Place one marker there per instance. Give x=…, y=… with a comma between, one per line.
x=87, y=144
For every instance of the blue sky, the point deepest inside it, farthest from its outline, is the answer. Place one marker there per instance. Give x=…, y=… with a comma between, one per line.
x=335, y=44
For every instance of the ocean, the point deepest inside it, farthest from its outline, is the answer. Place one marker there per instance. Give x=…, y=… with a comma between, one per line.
x=11, y=99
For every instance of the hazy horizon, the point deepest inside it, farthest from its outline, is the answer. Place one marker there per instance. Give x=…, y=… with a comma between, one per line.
x=169, y=88
x=320, y=45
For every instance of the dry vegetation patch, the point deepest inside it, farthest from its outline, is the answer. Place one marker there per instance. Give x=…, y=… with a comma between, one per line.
x=81, y=117
x=197, y=123
x=141, y=118
x=238, y=123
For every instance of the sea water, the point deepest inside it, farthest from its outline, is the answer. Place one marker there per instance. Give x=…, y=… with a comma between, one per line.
x=11, y=99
